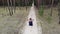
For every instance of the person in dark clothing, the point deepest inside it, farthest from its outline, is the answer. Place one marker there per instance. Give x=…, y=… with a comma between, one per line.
x=30, y=22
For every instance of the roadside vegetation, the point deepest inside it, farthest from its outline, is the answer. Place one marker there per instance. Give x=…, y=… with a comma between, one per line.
x=12, y=24
x=50, y=19
x=41, y=10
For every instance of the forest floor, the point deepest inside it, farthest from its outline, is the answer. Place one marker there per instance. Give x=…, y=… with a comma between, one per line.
x=12, y=24
x=50, y=25
x=15, y=24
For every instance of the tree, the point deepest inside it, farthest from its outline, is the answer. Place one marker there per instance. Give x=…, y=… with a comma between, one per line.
x=8, y=7
x=19, y=4
x=11, y=7
x=38, y=4
x=59, y=11
x=14, y=5
x=3, y=2
x=52, y=7
x=26, y=4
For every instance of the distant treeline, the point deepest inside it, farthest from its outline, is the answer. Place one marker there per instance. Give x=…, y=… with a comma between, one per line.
x=46, y=2
x=17, y=2
x=28, y=2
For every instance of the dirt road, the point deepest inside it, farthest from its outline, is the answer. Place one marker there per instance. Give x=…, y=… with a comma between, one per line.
x=31, y=29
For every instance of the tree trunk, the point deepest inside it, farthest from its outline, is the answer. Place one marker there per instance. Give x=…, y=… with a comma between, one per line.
x=9, y=7
x=26, y=4
x=59, y=12
x=3, y=3
x=19, y=4
x=14, y=5
x=38, y=4
x=51, y=7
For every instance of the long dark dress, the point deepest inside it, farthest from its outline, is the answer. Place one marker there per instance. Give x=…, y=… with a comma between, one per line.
x=30, y=23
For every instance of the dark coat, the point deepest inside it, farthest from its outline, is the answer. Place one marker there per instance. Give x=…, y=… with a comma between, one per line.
x=30, y=23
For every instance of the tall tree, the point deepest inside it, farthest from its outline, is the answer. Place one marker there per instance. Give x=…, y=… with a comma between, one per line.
x=8, y=7
x=38, y=4
x=59, y=11
x=14, y=5
x=19, y=4
x=11, y=1
x=3, y=2
x=52, y=7
x=26, y=4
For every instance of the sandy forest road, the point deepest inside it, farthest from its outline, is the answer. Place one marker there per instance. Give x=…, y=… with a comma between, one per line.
x=31, y=29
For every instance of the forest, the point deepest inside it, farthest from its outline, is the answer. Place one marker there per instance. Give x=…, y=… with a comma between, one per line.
x=28, y=2
x=14, y=14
